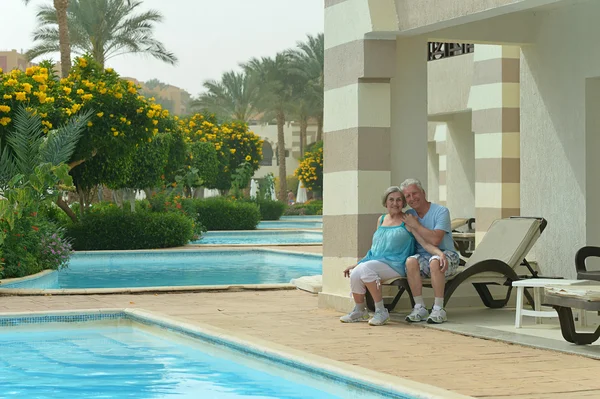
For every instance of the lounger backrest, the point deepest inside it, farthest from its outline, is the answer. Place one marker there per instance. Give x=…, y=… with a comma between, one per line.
x=458, y=222
x=508, y=240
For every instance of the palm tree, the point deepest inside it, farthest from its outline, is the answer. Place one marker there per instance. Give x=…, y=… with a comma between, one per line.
x=274, y=98
x=102, y=28
x=64, y=46
x=234, y=96
x=308, y=62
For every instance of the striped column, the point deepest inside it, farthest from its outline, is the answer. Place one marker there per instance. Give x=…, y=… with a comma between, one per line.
x=358, y=156
x=441, y=134
x=494, y=100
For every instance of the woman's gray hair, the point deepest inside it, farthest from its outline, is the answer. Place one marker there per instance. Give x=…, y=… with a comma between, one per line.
x=410, y=182
x=393, y=189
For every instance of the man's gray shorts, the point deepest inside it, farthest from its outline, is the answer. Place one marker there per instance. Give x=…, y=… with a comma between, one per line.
x=424, y=260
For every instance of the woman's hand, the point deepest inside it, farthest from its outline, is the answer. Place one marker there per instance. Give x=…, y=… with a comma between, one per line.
x=348, y=270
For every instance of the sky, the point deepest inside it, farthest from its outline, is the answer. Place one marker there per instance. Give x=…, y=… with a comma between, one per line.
x=209, y=37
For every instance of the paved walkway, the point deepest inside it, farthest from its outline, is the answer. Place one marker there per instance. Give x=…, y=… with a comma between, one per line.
x=470, y=366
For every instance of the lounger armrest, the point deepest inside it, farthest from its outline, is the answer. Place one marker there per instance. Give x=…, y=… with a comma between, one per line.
x=582, y=255
x=470, y=223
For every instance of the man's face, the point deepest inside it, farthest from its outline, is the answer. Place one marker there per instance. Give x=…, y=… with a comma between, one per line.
x=415, y=197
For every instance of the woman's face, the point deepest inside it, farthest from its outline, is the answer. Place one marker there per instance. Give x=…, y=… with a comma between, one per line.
x=394, y=203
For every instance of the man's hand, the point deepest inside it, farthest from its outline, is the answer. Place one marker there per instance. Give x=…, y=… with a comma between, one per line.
x=411, y=221
x=443, y=263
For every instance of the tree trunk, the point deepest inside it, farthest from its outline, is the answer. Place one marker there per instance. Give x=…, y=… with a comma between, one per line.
x=303, y=129
x=281, y=156
x=65, y=207
x=118, y=198
x=320, y=127
x=61, y=7
x=81, y=195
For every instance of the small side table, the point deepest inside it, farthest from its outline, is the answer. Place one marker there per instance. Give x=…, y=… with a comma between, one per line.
x=538, y=285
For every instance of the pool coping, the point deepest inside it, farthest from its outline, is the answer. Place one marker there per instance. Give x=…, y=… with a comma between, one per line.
x=151, y=290
x=360, y=377
x=262, y=231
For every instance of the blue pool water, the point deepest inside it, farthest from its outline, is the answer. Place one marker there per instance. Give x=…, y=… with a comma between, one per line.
x=119, y=358
x=299, y=225
x=302, y=218
x=125, y=362
x=176, y=268
x=260, y=237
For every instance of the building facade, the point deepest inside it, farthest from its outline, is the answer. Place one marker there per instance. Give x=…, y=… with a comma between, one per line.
x=508, y=128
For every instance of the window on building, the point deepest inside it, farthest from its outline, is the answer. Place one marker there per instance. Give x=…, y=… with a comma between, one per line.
x=267, y=151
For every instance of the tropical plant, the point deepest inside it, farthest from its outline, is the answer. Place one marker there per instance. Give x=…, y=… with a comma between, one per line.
x=275, y=95
x=101, y=28
x=233, y=97
x=33, y=169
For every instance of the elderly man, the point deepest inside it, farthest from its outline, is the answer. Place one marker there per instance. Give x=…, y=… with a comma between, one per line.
x=432, y=223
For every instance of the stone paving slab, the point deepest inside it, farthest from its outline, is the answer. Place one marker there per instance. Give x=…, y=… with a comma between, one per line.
x=471, y=366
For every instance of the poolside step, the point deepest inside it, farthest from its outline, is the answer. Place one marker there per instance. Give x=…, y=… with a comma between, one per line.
x=313, y=284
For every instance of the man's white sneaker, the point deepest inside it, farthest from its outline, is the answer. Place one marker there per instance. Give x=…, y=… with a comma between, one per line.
x=419, y=313
x=380, y=318
x=437, y=316
x=355, y=316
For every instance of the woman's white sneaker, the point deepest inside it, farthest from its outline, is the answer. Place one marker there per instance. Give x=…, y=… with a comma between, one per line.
x=355, y=316
x=380, y=318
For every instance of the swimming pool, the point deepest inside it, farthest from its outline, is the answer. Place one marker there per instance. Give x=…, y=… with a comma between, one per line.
x=302, y=218
x=135, y=354
x=260, y=237
x=119, y=269
x=298, y=225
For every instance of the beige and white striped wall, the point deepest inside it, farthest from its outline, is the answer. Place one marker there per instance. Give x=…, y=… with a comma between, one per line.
x=356, y=133
x=494, y=101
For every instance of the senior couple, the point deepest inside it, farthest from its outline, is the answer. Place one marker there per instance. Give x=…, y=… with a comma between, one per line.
x=412, y=244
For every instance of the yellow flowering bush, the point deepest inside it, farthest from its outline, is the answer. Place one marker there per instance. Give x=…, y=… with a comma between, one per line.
x=310, y=170
x=123, y=120
x=34, y=89
x=234, y=142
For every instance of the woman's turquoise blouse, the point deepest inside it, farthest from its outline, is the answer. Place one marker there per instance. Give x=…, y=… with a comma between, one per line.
x=391, y=245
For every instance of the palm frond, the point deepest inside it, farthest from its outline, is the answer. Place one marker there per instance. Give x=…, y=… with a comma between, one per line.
x=60, y=144
x=25, y=139
x=8, y=168
x=104, y=29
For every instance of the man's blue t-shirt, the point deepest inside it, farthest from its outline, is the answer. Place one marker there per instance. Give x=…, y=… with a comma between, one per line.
x=436, y=218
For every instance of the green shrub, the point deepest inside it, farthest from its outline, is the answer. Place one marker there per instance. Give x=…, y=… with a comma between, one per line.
x=270, y=210
x=54, y=214
x=223, y=214
x=121, y=229
x=20, y=250
x=34, y=243
x=313, y=207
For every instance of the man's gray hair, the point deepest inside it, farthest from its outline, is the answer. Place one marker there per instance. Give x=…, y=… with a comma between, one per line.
x=410, y=182
x=392, y=189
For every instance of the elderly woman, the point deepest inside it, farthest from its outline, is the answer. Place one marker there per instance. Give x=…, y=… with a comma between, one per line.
x=392, y=244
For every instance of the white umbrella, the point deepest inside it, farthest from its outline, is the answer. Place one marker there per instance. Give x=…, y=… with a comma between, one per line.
x=301, y=195
x=273, y=196
x=253, y=188
x=211, y=193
